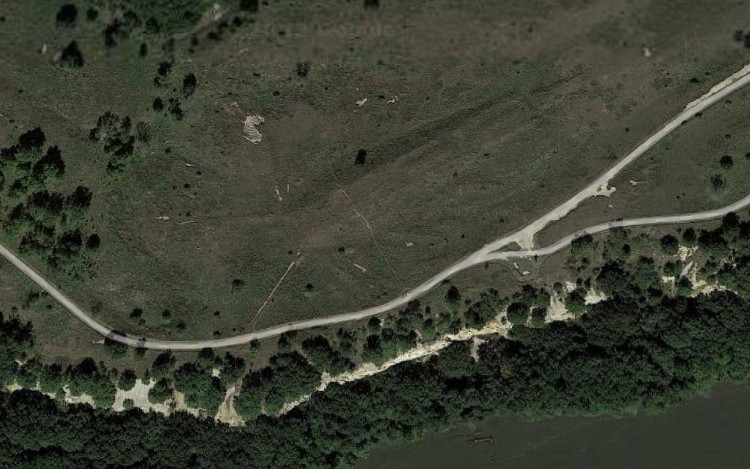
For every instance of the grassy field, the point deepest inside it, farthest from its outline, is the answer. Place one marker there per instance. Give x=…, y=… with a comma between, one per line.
x=687, y=172
x=479, y=117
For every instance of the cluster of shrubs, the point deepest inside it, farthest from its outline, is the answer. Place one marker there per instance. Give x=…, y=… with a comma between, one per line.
x=742, y=37
x=46, y=222
x=119, y=139
x=204, y=381
x=136, y=18
x=173, y=105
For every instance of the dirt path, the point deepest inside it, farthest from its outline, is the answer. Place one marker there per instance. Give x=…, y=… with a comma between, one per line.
x=523, y=238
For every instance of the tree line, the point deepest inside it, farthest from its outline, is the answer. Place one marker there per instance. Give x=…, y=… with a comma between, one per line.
x=642, y=348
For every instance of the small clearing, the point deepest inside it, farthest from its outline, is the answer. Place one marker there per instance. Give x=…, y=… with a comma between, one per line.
x=557, y=310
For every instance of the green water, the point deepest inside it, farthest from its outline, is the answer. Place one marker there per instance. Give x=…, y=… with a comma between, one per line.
x=707, y=432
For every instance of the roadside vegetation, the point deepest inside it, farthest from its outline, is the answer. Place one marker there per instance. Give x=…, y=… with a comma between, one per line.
x=467, y=145
x=655, y=347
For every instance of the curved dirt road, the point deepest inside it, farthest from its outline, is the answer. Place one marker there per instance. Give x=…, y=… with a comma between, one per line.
x=523, y=238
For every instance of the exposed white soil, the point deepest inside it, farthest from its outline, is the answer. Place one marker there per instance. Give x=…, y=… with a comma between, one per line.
x=81, y=399
x=684, y=252
x=179, y=404
x=11, y=388
x=497, y=326
x=475, y=343
x=139, y=395
x=556, y=311
x=700, y=286
x=251, y=124
x=227, y=414
x=733, y=78
x=525, y=240
x=605, y=190
x=593, y=297
x=669, y=282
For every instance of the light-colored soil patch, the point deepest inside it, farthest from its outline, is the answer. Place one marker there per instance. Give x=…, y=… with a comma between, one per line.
x=498, y=326
x=81, y=399
x=181, y=406
x=557, y=310
x=475, y=343
x=736, y=76
x=227, y=414
x=684, y=252
x=605, y=190
x=139, y=395
x=252, y=134
x=11, y=388
x=669, y=282
x=700, y=286
x=593, y=297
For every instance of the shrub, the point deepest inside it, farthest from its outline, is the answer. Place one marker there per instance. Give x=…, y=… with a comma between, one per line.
x=127, y=380
x=71, y=56
x=669, y=245
x=518, y=313
x=726, y=162
x=67, y=15
x=160, y=392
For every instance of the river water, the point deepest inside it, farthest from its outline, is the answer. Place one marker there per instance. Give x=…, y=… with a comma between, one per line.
x=706, y=432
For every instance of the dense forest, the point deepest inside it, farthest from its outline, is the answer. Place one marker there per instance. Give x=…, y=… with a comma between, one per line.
x=642, y=348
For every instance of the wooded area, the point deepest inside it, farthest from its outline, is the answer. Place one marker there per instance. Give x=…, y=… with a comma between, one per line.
x=640, y=349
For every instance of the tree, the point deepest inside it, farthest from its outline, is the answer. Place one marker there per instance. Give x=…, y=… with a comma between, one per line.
x=518, y=313
x=726, y=162
x=201, y=389
x=160, y=392
x=684, y=287
x=689, y=237
x=92, y=379
x=672, y=269
x=669, y=245
x=453, y=296
x=287, y=378
x=718, y=182
x=71, y=56
x=361, y=157
x=581, y=244
x=51, y=164
x=115, y=349
x=67, y=15
x=538, y=316
x=93, y=242
x=249, y=402
x=163, y=366
x=575, y=303
x=127, y=380
x=232, y=369
x=189, y=83
x=250, y=6
x=320, y=353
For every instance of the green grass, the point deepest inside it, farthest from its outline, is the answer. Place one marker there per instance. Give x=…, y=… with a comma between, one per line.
x=495, y=124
